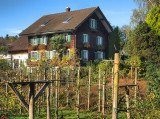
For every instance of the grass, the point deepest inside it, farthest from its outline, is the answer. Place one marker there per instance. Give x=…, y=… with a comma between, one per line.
x=67, y=114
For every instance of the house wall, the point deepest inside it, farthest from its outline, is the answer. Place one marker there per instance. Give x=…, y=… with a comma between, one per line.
x=85, y=29
x=21, y=56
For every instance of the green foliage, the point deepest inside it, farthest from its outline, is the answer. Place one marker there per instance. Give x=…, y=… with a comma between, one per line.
x=153, y=19
x=143, y=43
x=114, y=42
x=58, y=43
x=153, y=75
x=4, y=65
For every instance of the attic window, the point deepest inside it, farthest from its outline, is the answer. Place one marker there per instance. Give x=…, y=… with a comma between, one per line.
x=44, y=23
x=67, y=20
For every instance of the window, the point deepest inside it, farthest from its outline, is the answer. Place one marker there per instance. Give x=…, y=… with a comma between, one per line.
x=44, y=40
x=67, y=37
x=84, y=55
x=85, y=38
x=35, y=41
x=44, y=23
x=100, y=55
x=67, y=20
x=93, y=24
x=99, y=40
x=34, y=55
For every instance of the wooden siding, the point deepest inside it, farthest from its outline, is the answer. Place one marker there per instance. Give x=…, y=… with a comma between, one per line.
x=85, y=29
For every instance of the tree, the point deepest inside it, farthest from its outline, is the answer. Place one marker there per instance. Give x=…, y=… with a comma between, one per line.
x=153, y=19
x=143, y=42
x=114, y=42
x=140, y=14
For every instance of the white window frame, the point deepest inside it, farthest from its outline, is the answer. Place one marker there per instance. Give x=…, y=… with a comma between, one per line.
x=44, y=40
x=93, y=23
x=66, y=37
x=99, y=40
x=85, y=55
x=100, y=55
x=32, y=54
x=85, y=38
x=34, y=40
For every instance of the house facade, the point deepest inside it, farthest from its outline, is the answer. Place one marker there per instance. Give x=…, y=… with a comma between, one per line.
x=87, y=30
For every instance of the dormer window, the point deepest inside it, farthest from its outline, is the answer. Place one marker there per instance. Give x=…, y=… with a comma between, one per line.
x=67, y=20
x=44, y=23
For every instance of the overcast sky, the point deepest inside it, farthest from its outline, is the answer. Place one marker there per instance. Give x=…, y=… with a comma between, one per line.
x=17, y=15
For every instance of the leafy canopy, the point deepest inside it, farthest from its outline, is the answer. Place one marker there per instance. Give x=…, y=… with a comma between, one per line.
x=143, y=43
x=153, y=19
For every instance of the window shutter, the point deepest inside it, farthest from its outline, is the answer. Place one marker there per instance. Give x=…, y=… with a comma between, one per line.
x=88, y=38
x=69, y=37
x=40, y=40
x=82, y=38
x=102, y=40
x=104, y=55
x=46, y=39
x=47, y=54
x=29, y=55
x=95, y=24
x=82, y=54
x=31, y=41
x=90, y=23
x=87, y=55
x=96, y=55
x=97, y=40
x=38, y=56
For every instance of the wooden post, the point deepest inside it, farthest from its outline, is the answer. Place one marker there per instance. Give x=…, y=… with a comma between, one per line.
x=48, y=103
x=51, y=97
x=99, y=102
x=136, y=77
x=31, y=101
x=68, y=78
x=127, y=102
x=56, y=96
x=112, y=82
x=20, y=92
x=116, y=83
x=131, y=71
x=37, y=90
x=103, y=94
x=89, y=87
x=78, y=87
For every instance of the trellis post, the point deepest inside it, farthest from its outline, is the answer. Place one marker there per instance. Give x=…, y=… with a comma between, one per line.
x=99, y=102
x=116, y=83
x=31, y=101
x=136, y=77
x=89, y=86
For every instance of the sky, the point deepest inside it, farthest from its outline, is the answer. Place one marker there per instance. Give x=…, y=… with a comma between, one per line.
x=17, y=15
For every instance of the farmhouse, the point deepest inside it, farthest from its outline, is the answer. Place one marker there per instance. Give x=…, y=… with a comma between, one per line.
x=87, y=30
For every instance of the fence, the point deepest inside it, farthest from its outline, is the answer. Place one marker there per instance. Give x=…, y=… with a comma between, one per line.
x=85, y=90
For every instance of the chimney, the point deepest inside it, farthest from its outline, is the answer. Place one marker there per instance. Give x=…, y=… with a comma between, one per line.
x=68, y=9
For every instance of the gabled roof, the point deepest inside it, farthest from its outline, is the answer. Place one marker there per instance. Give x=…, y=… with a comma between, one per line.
x=20, y=44
x=55, y=22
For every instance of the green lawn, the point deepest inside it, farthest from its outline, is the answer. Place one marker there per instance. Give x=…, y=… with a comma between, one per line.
x=67, y=114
